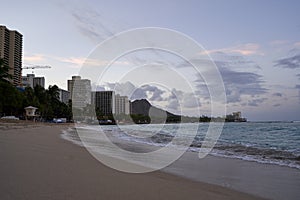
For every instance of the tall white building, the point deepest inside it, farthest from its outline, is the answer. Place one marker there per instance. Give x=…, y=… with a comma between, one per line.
x=122, y=105
x=80, y=91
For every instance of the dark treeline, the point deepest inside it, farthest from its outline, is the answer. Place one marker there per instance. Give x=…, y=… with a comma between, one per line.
x=13, y=101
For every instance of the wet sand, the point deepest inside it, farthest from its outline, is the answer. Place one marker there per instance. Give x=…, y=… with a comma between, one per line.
x=265, y=180
x=35, y=163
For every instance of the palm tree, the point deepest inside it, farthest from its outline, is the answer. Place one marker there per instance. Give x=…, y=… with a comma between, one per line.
x=53, y=91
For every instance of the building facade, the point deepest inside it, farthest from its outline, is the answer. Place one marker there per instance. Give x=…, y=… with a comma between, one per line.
x=71, y=84
x=31, y=81
x=122, y=105
x=80, y=91
x=104, y=101
x=11, y=44
x=64, y=96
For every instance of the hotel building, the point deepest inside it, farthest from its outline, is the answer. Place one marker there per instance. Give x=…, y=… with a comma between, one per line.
x=11, y=43
x=105, y=101
x=80, y=91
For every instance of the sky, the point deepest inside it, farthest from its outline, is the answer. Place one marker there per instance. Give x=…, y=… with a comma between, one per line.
x=255, y=46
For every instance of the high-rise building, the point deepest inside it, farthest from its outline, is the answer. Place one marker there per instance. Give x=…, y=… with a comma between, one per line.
x=71, y=84
x=11, y=42
x=122, y=105
x=80, y=91
x=31, y=81
x=39, y=81
x=64, y=96
x=105, y=101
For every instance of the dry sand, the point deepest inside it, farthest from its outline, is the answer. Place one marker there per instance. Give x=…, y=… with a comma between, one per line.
x=35, y=163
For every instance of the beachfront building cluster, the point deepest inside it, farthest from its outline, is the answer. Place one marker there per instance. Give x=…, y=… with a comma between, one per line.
x=11, y=48
x=107, y=102
x=79, y=90
x=31, y=81
x=11, y=44
x=110, y=103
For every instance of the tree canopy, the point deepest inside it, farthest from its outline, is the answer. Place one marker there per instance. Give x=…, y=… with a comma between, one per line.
x=13, y=101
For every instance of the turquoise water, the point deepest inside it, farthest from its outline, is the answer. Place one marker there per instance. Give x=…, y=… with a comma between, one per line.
x=273, y=143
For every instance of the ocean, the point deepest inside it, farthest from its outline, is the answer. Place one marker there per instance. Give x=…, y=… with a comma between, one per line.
x=276, y=143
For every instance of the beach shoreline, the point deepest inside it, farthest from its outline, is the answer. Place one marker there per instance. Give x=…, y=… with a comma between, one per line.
x=37, y=164
x=268, y=180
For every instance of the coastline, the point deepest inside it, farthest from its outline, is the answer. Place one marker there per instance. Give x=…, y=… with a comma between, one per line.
x=268, y=180
x=37, y=164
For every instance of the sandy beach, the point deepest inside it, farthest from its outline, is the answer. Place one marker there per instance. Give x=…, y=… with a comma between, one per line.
x=35, y=163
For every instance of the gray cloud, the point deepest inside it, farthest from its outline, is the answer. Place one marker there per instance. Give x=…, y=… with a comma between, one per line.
x=277, y=105
x=298, y=75
x=238, y=77
x=175, y=101
x=290, y=62
x=185, y=99
x=149, y=92
x=240, y=83
x=234, y=61
x=277, y=94
x=173, y=105
x=256, y=102
x=153, y=92
x=92, y=24
x=298, y=87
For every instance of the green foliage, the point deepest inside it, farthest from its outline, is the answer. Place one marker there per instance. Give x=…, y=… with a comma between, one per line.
x=4, y=69
x=13, y=101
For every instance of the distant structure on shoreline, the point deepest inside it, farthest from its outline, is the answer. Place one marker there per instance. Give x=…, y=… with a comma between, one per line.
x=11, y=44
x=235, y=117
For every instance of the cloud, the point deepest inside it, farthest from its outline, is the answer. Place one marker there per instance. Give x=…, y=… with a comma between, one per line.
x=146, y=91
x=297, y=44
x=44, y=58
x=237, y=62
x=240, y=77
x=174, y=101
x=279, y=42
x=256, y=102
x=92, y=24
x=298, y=87
x=78, y=61
x=242, y=49
x=290, y=62
x=183, y=99
x=34, y=57
x=277, y=94
x=298, y=75
x=277, y=105
x=241, y=83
